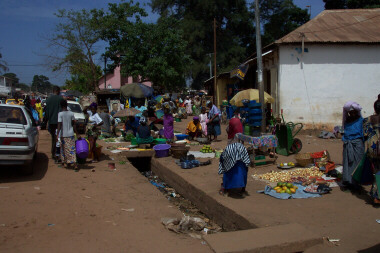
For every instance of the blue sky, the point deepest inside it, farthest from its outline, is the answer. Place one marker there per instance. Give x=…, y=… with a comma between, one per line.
x=24, y=24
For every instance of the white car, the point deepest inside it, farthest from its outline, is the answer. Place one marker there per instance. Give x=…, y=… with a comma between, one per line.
x=76, y=108
x=18, y=137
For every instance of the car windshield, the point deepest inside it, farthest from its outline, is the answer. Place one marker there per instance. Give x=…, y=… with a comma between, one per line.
x=75, y=108
x=12, y=115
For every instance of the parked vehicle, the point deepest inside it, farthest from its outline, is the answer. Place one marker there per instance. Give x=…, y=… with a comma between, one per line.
x=76, y=108
x=18, y=137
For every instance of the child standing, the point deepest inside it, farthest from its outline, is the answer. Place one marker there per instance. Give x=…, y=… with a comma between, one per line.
x=203, y=119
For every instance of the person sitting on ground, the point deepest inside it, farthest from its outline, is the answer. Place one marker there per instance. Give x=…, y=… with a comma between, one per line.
x=66, y=129
x=131, y=125
x=194, y=128
x=143, y=133
x=233, y=164
x=234, y=126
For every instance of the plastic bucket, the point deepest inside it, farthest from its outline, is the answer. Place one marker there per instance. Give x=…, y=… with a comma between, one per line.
x=160, y=141
x=162, y=150
x=181, y=137
x=82, y=149
x=178, y=120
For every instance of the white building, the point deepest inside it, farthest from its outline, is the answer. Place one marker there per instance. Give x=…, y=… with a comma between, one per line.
x=5, y=86
x=314, y=70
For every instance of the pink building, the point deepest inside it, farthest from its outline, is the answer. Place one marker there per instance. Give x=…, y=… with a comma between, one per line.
x=114, y=80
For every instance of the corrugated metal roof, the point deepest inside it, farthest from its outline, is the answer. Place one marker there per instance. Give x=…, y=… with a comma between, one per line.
x=339, y=26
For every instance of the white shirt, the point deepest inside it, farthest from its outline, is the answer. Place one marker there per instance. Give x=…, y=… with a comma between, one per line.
x=94, y=118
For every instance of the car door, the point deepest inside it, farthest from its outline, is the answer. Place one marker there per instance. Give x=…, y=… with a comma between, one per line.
x=31, y=129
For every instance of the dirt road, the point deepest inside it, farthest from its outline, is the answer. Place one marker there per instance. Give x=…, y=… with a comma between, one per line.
x=59, y=210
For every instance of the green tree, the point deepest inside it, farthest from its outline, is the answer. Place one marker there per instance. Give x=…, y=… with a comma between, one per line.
x=280, y=18
x=41, y=84
x=235, y=32
x=151, y=51
x=75, y=37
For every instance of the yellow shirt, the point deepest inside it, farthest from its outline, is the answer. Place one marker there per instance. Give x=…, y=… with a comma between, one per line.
x=191, y=127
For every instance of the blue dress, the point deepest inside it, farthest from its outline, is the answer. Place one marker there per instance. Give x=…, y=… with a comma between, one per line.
x=236, y=177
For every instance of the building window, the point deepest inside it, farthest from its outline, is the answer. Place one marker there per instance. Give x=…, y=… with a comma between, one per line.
x=109, y=86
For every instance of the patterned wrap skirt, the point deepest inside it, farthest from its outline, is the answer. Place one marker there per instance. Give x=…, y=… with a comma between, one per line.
x=68, y=154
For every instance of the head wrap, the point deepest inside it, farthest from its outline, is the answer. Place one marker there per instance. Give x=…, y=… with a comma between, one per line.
x=350, y=106
x=142, y=120
x=195, y=118
x=93, y=105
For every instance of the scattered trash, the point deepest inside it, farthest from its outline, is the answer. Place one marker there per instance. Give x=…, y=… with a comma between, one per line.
x=333, y=240
x=327, y=135
x=203, y=243
x=173, y=194
x=4, y=187
x=205, y=231
x=112, y=158
x=378, y=221
x=111, y=166
x=36, y=188
x=128, y=210
x=93, y=170
x=87, y=197
x=51, y=224
x=158, y=185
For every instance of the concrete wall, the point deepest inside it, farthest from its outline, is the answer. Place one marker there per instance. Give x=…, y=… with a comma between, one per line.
x=313, y=87
x=115, y=80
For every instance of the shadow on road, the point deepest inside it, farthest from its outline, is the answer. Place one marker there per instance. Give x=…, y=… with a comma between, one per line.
x=9, y=174
x=373, y=249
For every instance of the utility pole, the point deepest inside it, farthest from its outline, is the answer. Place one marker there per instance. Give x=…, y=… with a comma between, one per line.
x=210, y=65
x=215, y=89
x=260, y=66
x=105, y=71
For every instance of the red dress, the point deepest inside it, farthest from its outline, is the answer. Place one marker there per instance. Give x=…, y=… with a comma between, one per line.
x=235, y=126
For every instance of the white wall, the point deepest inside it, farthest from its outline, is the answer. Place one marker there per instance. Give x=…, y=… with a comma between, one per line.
x=314, y=87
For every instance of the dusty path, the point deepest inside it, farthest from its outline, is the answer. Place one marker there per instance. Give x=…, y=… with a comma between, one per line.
x=59, y=210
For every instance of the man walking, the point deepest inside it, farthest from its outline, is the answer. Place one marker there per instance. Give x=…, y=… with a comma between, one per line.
x=53, y=107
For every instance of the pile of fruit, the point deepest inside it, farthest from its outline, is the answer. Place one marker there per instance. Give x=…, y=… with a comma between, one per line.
x=287, y=164
x=206, y=149
x=285, y=188
x=286, y=176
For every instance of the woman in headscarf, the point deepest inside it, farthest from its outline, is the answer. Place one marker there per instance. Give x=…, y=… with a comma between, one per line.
x=168, y=124
x=187, y=103
x=143, y=135
x=353, y=139
x=372, y=144
x=213, y=125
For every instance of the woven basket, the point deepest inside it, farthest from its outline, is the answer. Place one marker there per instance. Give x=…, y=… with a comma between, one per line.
x=178, y=152
x=304, y=159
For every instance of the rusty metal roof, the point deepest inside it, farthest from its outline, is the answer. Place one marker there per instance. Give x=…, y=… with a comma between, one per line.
x=338, y=26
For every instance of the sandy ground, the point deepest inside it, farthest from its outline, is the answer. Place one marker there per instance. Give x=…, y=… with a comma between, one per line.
x=59, y=210
x=339, y=215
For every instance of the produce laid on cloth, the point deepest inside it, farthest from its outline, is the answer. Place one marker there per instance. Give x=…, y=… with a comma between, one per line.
x=290, y=175
x=288, y=188
x=286, y=165
x=206, y=149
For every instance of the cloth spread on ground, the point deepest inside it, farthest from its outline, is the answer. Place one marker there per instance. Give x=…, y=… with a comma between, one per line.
x=198, y=154
x=299, y=194
x=269, y=141
x=232, y=153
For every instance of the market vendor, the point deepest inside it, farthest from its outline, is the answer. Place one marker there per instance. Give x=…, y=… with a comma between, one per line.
x=233, y=164
x=131, y=125
x=194, y=128
x=168, y=124
x=234, y=126
x=143, y=133
x=353, y=142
